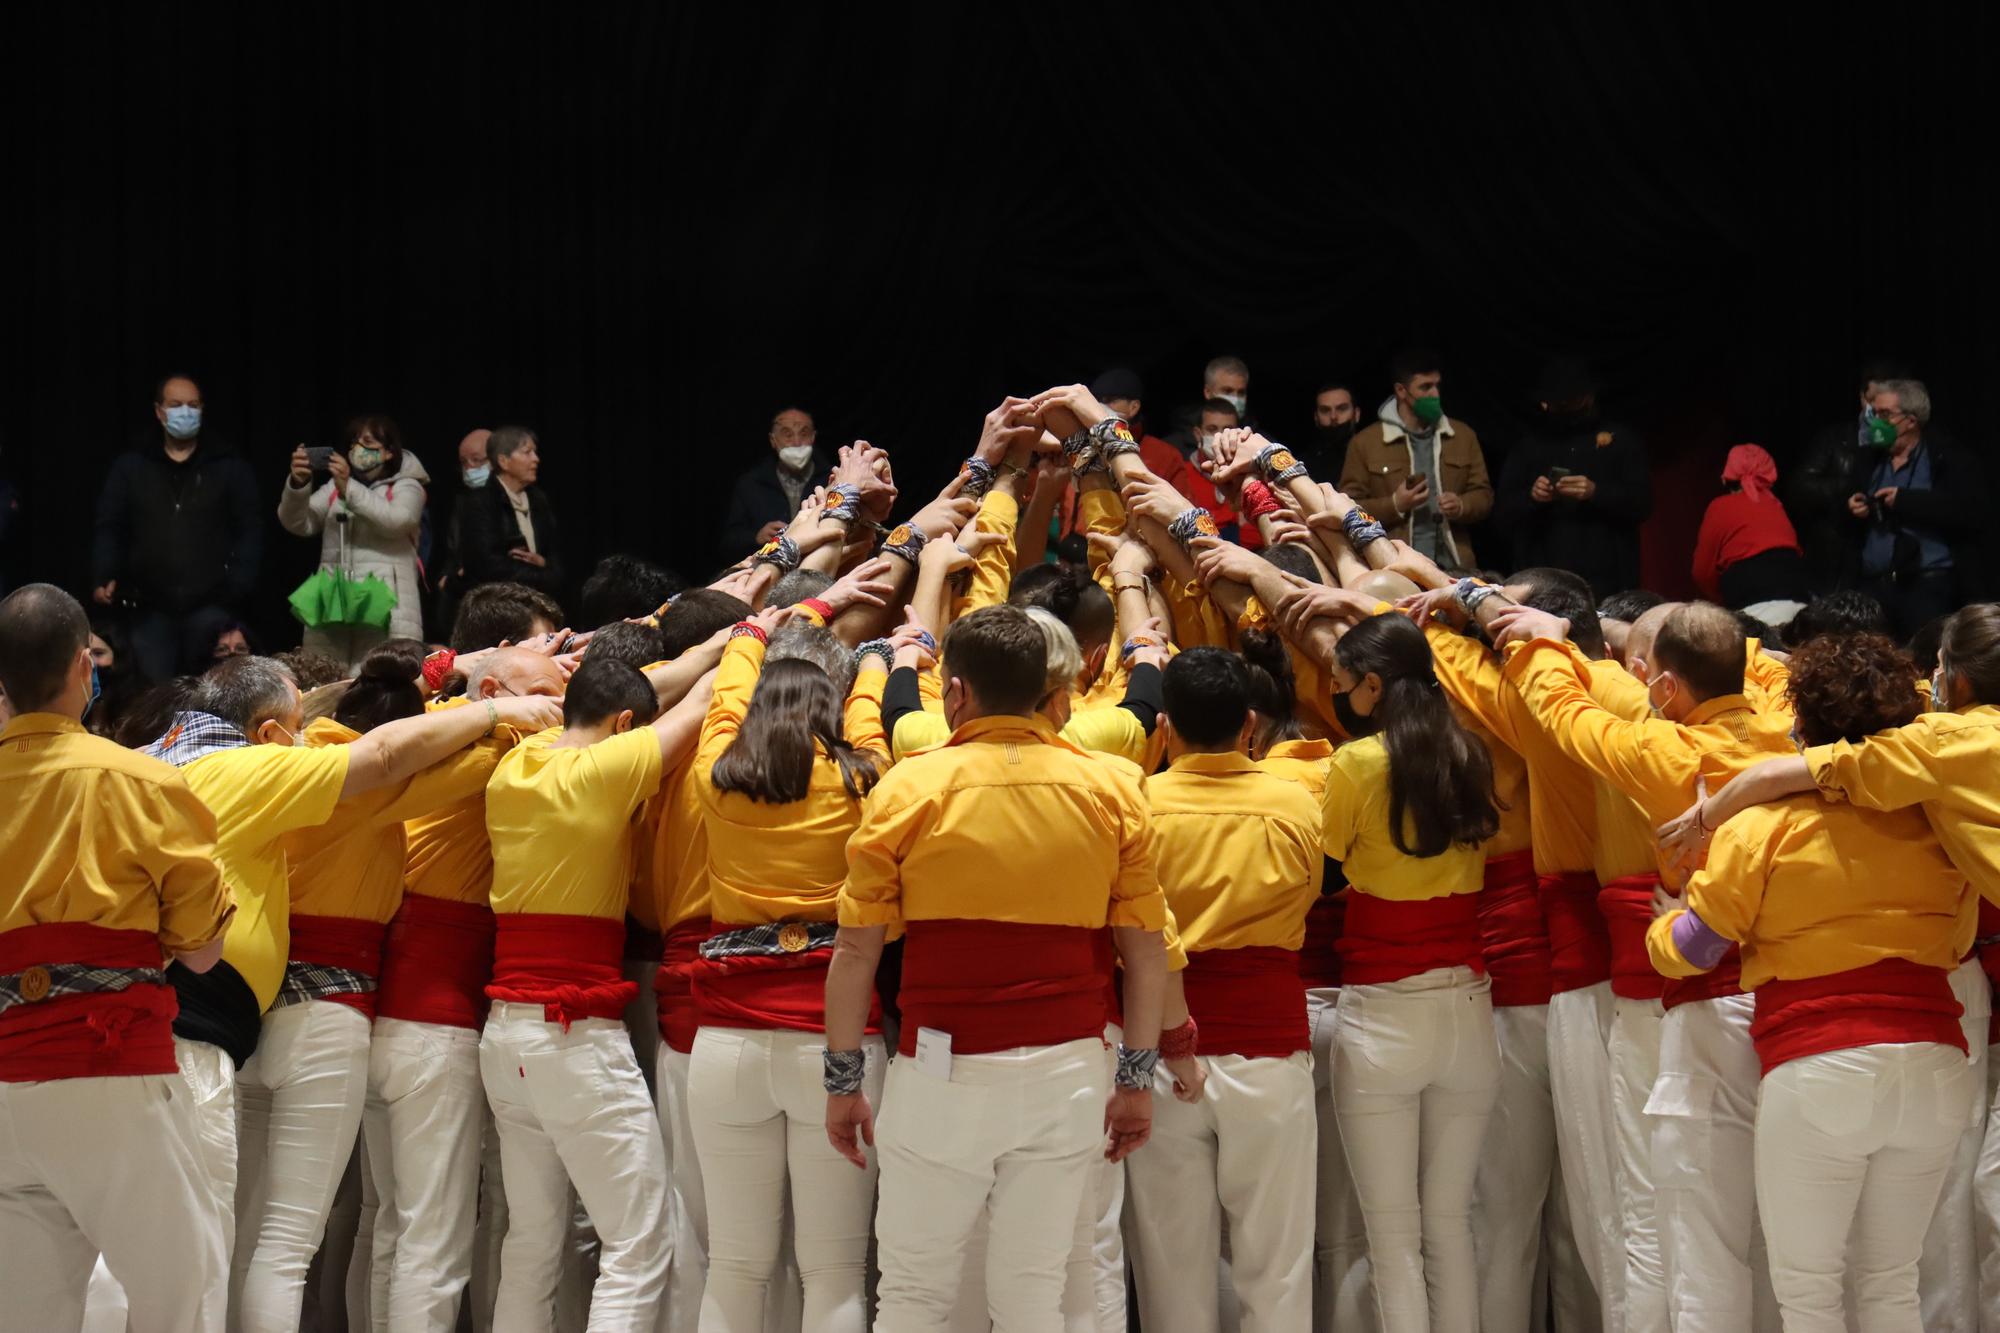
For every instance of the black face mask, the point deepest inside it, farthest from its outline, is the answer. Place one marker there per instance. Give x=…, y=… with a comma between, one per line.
x=1356, y=725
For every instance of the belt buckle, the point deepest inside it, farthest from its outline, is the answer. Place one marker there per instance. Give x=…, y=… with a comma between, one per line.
x=793, y=937
x=35, y=983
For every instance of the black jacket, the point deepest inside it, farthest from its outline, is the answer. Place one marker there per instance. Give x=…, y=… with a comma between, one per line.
x=757, y=498
x=487, y=532
x=1957, y=507
x=1815, y=493
x=1597, y=538
x=177, y=536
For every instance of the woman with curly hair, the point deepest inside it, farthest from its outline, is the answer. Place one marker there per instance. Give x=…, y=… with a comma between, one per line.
x=1851, y=920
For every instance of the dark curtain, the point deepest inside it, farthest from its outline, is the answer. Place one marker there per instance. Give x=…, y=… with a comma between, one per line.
x=641, y=228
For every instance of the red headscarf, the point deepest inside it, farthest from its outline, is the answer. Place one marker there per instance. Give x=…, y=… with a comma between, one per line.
x=1752, y=468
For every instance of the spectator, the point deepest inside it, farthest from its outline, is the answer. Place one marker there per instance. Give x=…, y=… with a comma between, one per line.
x=232, y=640
x=1575, y=491
x=766, y=497
x=179, y=535
x=475, y=470
x=1919, y=516
x=310, y=670
x=1418, y=471
x=366, y=515
x=118, y=683
x=1227, y=378
x=1836, y=466
x=1336, y=416
x=1747, y=553
x=1123, y=393
x=508, y=531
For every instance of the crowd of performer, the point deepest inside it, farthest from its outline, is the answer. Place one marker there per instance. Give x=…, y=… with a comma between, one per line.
x=905, y=932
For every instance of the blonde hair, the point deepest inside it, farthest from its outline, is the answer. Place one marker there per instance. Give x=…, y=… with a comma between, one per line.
x=1064, y=657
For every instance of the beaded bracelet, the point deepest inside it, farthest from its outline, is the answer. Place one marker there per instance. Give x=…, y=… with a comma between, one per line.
x=1278, y=465
x=841, y=1072
x=906, y=541
x=1361, y=528
x=881, y=648
x=783, y=553
x=1135, y=1068
x=979, y=476
x=1192, y=523
x=1470, y=592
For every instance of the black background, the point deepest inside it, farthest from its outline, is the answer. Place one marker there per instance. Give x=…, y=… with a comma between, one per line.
x=640, y=229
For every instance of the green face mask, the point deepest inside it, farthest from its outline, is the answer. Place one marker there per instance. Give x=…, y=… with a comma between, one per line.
x=1881, y=432
x=1429, y=410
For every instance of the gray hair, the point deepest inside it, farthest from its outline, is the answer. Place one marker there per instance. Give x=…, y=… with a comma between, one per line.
x=796, y=586
x=1065, y=658
x=802, y=641
x=1225, y=365
x=507, y=440
x=1911, y=397
x=244, y=691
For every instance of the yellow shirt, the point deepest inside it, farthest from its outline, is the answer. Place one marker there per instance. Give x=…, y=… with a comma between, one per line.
x=1809, y=889
x=993, y=568
x=1005, y=823
x=767, y=862
x=258, y=794
x=680, y=851
x=1113, y=730
x=1355, y=832
x=1766, y=681
x=1304, y=762
x=1238, y=852
x=352, y=864
x=562, y=820
x=448, y=854
x=1949, y=763
x=94, y=833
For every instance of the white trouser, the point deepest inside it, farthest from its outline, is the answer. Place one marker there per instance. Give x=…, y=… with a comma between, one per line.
x=105, y=1309
x=1564, y=1298
x=1635, y=1066
x=1586, y=1137
x=110, y=1166
x=1009, y=1136
x=572, y=1108
x=1516, y=1168
x=422, y=1127
x=489, y=1233
x=301, y=1095
x=1986, y=1191
x=1234, y=1153
x=758, y=1110
x=1704, y=1111
x=1948, y=1273
x=1416, y=1067
x=210, y=1077
x=1341, y=1296
x=1852, y=1147
x=1094, y=1283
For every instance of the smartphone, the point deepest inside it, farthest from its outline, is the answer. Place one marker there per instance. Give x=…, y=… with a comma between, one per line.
x=1419, y=478
x=1558, y=472
x=317, y=455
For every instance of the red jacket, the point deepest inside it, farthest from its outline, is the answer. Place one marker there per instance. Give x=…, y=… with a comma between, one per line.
x=1735, y=528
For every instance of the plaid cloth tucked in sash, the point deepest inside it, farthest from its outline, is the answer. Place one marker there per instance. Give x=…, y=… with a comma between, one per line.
x=777, y=939
x=46, y=981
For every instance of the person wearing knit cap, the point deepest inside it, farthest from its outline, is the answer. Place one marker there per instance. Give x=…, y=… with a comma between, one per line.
x=1747, y=552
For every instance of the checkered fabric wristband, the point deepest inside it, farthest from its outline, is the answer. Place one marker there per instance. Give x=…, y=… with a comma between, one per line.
x=881, y=648
x=744, y=628
x=1278, y=465
x=978, y=474
x=906, y=541
x=1135, y=1068
x=1113, y=437
x=784, y=553
x=1470, y=592
x=842, y=1072
x=1361, y=528
x=1135, y=643
x=844, y=503
x=1258, y=500
x=1192, y=523
x=927, y=641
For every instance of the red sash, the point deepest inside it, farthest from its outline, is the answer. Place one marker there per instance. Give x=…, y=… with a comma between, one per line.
x=1319, y=955
x=341, y=941
x=436, y=962
x=1627, y=904
x=1579, y=947
x=1247, y=1002
x=673, y=991
x=570, y=965
x=785, y=991
x=996, y=985
x=1512, y=934
x=97, y=1034
x=1386, y=939
x=1893, y=1001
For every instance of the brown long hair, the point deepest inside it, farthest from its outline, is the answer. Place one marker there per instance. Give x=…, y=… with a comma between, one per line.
x=795, y=707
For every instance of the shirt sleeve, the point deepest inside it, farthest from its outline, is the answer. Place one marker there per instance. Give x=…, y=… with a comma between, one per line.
x=287, y=787
x=628, y=768
x=1725, y=895
x=1340, y=812
x=1888, y=771
x=1103, y=513
x=1137, y=900
x=861, y=720
x=1646, y=760
x=1472, y=676
x=873, y=892
x=993, y=568
x=735, y=681
x=1108, y=731
x=179, y=855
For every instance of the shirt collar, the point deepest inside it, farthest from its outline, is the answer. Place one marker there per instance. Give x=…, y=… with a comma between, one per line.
x=41, y=724
x=1300, y=749
x=1232, y=762
x=1005, y=727
x=1716, y=707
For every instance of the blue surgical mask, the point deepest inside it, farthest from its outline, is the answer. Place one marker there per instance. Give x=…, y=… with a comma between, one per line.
x=476, y=477
x=184, y=423
x=96, y=689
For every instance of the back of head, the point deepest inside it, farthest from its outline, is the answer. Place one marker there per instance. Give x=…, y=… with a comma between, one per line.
x=1704, y=645
x=1065, y=659
x=1207, y=696
x=1846, y=687
x=601, y=690
x=245, y=691
x=1562, y=593
x=803, y=641
x=1970, y=651
x=1224, y=365
x=1294, y=559
x=624, y=587
x=695, y=617
x=796, y=586
x=1274, y=689
x=1385, y=585
x=385, y=688
x=794, y=713
x=1000, y=657
x=310, y=669
x=1924, y=644
x=1054, y=588
x=1629, y=605
x=493, y=613
x=1844, y=612
x=634, y=645
x=42, y=630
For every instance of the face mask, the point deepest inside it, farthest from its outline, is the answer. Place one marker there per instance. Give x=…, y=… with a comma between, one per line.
x=184, y=423
x=1354, y=724
x=96, y=689
x=290, y=739
x=475, y=477
x=1429, y=410
x=1239, y=401
x=364, y=458
x=1877, y=432
x=795, y=456
x=1660, y=708
x=1940, y=691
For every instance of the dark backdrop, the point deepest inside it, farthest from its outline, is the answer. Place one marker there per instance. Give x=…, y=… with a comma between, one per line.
x=638, y=229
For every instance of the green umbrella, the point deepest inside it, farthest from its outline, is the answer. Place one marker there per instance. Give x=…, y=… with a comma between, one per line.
x=332, y=598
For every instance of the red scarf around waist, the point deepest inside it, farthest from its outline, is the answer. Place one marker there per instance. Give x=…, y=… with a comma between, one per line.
x=996, y=985
x=436, y=962
x=1579, y=947
x=785, y=991
x=673, y=989
x=1319, y=955
x=1627, y=905
x=1388, y=939
x=341, y=941
x=573, y=966
x=1890, y=1002
x=1512, y=934
x=1247, y=1002
x=98, y=1034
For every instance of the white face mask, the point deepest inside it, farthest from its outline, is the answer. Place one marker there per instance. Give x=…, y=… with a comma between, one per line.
x=795, y=456
x=1239, y=401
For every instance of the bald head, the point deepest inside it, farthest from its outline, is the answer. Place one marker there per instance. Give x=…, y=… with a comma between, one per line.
x=1385, y=585
x=1704, y=646
x=44, y=649
x=472, y=449
x=1640, y=639
x=516, y=671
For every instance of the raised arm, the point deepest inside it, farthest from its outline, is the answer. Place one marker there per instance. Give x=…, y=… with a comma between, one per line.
x=396, y=750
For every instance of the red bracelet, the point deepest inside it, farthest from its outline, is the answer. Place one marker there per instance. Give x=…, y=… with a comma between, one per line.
x=743, y=627
x=1258, y=500
x=437, y=666
x=818, y=608
x=1179, y=1043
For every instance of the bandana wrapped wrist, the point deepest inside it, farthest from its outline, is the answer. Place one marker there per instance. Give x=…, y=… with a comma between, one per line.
x=1135, y=1068
x=1361, y=528
x=1278, y=465
x=782, y=553
x=844, y=503
x=1470, y=592
x=1083, y=454
x=743, y=628
x=841, y=1072
x=979, y=475
x=1112, y=438
x=1192, y=523
x=814, y=606
x=881, y=648
x=1258, y=501
x=927, y=641
x=437, y=666
x=907, y=541
x=1179, y=1043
